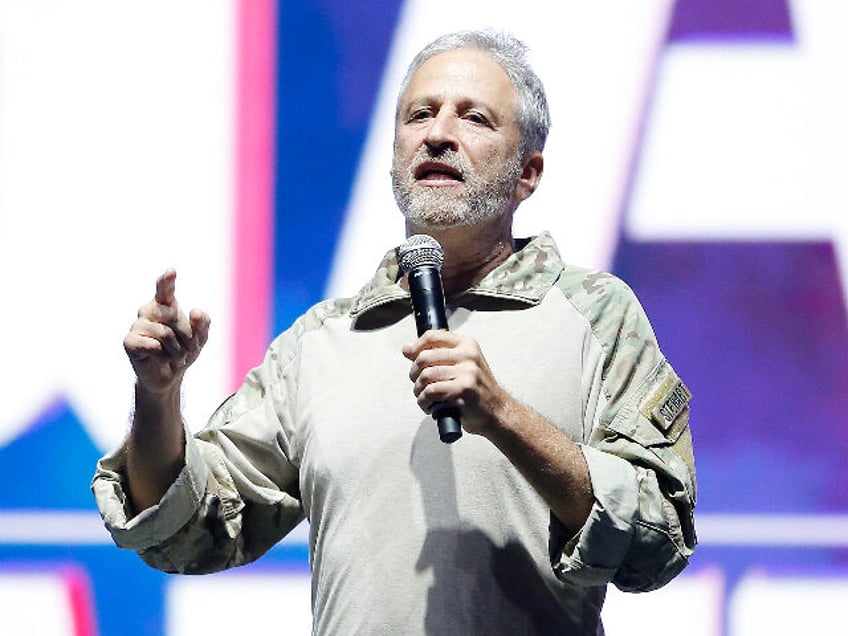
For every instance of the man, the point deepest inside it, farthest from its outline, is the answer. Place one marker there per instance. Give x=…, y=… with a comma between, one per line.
x=577, y=467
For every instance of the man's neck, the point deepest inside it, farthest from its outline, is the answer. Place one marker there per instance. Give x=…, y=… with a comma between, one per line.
x=470, y=252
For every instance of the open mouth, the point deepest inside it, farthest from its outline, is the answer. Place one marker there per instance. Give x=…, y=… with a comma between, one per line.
x=437, y=171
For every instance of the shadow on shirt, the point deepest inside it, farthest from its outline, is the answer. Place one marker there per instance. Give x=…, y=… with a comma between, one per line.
x=480, y=587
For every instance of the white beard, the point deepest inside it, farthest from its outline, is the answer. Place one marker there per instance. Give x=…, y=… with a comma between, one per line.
x=483, y=195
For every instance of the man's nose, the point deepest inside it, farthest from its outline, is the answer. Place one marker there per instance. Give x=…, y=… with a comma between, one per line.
x=442, y=133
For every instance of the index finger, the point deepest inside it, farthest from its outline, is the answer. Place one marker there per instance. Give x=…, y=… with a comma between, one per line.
x=430, y=339
x=165, y=287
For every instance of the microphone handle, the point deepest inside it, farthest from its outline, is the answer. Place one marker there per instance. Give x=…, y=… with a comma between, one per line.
x=428, y=306
x=447, y=421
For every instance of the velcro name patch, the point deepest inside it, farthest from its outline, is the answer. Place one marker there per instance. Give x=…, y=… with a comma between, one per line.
x=666, y=402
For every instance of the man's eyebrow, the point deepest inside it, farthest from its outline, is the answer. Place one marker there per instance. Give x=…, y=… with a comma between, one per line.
x=421, y=100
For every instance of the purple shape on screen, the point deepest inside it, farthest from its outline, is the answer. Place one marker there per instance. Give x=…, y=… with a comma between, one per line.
x=724, y=20
x=758, y=331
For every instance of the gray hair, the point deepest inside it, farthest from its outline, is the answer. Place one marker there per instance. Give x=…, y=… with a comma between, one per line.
x=510, y=53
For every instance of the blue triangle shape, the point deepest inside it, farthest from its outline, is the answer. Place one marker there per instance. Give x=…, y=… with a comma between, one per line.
x=50, y=466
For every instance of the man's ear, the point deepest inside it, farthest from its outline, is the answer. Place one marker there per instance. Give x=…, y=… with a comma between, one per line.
x=531, y=174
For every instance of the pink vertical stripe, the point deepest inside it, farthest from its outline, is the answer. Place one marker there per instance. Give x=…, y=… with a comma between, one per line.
x=80, y=601
x=254, y=184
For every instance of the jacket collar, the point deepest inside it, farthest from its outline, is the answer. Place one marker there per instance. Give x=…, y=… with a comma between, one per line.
x=526, y=276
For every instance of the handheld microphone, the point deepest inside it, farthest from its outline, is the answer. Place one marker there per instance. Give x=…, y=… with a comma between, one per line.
x=420, y=257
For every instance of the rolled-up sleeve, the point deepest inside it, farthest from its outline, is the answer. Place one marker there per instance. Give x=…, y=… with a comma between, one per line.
x=236, y=495
x=640, y=532
x=158, y=523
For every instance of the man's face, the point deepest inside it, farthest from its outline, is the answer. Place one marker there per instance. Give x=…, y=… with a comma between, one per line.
x=456, y=157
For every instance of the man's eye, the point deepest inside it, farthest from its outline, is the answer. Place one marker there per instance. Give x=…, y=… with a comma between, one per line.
x=476, y=118
x=419, y=115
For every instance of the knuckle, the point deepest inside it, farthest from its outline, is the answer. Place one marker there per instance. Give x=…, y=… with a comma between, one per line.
x=427, y=376
x=160, y=331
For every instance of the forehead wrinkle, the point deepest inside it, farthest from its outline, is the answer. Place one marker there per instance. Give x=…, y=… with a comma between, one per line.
x=458, y=72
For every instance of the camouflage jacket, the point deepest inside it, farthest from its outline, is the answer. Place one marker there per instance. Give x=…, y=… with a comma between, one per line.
x=327, y=428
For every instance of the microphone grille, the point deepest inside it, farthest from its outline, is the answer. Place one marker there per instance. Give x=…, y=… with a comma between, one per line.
x=419, y=250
